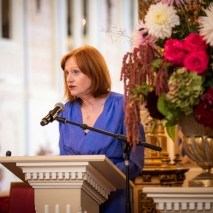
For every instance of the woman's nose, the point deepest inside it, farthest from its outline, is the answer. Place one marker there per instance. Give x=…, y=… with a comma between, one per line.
x=70, y=77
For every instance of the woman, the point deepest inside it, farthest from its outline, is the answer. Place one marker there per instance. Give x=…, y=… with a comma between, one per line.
x=90, y=101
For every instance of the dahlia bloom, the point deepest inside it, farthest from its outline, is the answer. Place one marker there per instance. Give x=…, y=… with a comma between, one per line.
x=160, y=19
x=151, y=105
x=140, y=36
x=206, y=25
x=204, y=110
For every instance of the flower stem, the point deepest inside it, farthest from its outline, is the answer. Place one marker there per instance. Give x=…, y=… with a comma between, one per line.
x=186, y=18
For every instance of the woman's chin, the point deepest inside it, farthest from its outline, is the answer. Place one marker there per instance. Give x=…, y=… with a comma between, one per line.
x=74, y=93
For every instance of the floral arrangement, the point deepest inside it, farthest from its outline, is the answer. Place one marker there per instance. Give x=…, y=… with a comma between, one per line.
x=169, y=72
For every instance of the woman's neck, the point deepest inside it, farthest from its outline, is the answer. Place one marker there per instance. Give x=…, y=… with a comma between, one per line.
x=91, y=102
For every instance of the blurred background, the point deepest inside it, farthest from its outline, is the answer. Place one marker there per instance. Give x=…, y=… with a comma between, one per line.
x=34, y=35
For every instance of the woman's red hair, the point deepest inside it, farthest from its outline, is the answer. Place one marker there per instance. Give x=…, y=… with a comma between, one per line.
x=91, y=62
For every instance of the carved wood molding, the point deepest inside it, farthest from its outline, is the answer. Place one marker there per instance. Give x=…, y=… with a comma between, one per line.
x=146, y=205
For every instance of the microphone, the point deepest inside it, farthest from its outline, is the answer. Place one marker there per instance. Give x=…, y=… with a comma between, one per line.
x=51, y=116
x=8, y=153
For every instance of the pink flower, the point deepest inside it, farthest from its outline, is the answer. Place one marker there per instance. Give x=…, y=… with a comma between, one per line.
x=195, y=42
x=141, y=37
x=174, y=51
x=196, y=62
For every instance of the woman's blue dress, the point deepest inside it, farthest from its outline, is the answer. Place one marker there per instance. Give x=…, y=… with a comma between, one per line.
x=73, y=141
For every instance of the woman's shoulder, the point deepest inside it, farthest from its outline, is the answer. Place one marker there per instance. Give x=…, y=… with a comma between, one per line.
x=115, y=99
x=116, y=95
x=70, y=105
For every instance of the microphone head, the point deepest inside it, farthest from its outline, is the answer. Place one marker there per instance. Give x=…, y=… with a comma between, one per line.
x=51, y=116
x=43, y=122
x=8, y=153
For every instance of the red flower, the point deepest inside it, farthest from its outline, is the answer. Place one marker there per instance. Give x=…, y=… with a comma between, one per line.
x=174, y=51
x=195, y=42
x=204, y=110
x=196, y=62
x=151, y=105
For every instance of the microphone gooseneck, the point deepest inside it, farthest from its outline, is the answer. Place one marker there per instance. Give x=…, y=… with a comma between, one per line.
x=51, y=116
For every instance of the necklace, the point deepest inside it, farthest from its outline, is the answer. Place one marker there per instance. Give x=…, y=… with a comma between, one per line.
x=88, y=115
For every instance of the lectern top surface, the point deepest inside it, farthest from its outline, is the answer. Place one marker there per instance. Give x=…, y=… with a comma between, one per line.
x=54, y=158
x=101, y=163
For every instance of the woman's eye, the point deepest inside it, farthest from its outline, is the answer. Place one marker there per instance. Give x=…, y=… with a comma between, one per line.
x=75, y=72
x=72, y=72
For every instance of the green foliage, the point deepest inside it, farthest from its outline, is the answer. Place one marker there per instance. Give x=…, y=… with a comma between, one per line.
x=154, y=125
x=185, y=90
x=160, y=42
x=172, y=115
x=171, y=132
x=157, y=63
x=140, y=92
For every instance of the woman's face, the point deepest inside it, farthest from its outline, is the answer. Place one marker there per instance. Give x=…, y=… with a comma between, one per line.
x=77, y=82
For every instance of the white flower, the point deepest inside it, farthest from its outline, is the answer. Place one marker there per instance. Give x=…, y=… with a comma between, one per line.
x=160, y=19
x=139, y=37
x=206, y=25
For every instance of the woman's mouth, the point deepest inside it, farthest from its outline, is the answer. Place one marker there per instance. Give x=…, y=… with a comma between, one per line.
x=71, y=87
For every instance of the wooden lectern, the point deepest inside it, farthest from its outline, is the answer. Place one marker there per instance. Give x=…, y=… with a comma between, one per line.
x=63, y=184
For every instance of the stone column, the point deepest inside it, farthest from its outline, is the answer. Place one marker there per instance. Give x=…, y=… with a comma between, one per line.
x=77, y=23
